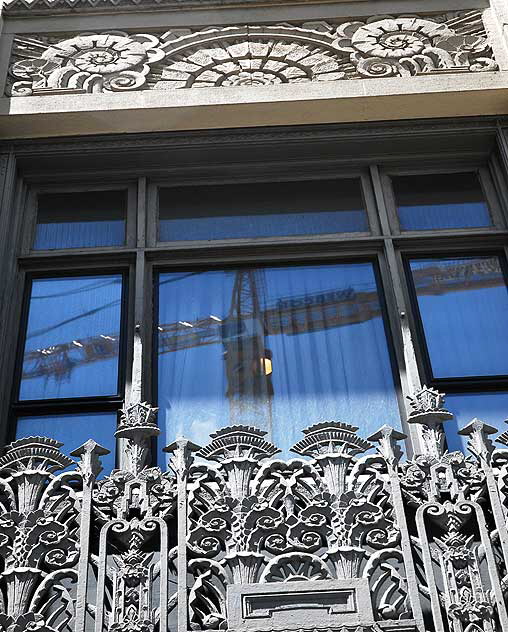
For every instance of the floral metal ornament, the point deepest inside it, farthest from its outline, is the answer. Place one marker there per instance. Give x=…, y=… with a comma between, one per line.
x=231, y=524
x=39, y=533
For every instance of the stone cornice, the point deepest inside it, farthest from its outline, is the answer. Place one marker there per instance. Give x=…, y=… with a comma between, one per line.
x=15, y=8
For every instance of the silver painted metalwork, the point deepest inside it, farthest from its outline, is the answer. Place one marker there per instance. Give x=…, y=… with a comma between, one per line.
x=343, y=537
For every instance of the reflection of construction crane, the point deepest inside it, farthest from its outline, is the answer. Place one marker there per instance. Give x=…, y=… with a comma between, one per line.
x=246, y=358
x=250, y=320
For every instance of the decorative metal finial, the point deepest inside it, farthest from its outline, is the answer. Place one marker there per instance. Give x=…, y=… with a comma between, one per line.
x=138, y=424
x=428, y=410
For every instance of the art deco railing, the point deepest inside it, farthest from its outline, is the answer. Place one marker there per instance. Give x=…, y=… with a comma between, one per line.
x=233, y=538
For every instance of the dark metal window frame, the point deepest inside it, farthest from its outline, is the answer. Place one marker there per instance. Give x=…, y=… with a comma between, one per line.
x=85, y=187
x=477, y=144
x=456, y=384
x=311, y=174
x=69, y=405
x=375, y=258
x=485, y=173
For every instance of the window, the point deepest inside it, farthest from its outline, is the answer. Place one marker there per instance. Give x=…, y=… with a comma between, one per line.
x=80, y=220
x=70, y=321
x=440, y=201
x=70, y=364
x=272, y=347
x=462, y=306
x=276, y=300
x=262, y=210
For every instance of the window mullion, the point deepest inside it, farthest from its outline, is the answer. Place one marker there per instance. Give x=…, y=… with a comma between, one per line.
x=408, y=365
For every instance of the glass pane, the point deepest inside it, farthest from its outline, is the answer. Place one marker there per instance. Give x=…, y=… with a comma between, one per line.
x=80, y=220
x=261, y=210
x=464, y=308
x=452, y=200
x=492, y=408
x=73, y=431
x=72, y=339
x=277, y=348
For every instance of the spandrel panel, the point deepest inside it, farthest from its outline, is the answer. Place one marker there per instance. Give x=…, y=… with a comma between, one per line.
x=88, y=219
x=261, y=210
x=440, y=201
x=73, y=431
x=277, y=348
x=72, y=338
x=464, y=309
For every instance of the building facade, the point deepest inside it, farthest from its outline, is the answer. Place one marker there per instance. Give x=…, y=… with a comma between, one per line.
x=229, y=315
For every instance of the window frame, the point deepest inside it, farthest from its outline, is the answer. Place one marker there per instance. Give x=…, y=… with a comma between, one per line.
x=310, y=174
x=485, y=179
x=454, y=384
x=84, y=187
x=71, y=405
x=323, y=152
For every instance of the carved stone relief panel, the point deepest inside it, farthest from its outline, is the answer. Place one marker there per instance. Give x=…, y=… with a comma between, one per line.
x=377, y=47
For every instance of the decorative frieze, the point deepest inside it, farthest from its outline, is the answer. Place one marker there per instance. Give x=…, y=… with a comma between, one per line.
x=253, y=55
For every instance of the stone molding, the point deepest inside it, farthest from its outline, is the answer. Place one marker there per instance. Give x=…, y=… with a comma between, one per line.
x=377, y=47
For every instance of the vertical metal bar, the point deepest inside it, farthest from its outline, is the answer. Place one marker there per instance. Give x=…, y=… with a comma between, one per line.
x=163, y=618
x=387, y=438
x=437, y=618
x=495, y=580
x=101, y=574
x=182, y=450
x=410, y=371
x=90, y=467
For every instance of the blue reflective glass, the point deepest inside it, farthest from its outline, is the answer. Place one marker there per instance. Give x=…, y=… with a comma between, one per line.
x=73, y=431
x=440, y=201
x=261, y=210
x=464, y=309
x=277, y=348
x=80, y=220
x=72, y=337
x=492, y=408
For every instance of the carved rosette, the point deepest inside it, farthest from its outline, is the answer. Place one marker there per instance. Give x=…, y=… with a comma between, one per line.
x=253, y=55
x=102, y=62
x=408, y=46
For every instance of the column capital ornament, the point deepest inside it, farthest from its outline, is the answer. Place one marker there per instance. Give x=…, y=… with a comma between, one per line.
x=428, y=411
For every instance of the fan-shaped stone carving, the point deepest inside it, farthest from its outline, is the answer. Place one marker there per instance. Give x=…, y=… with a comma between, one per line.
x=252, y=55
